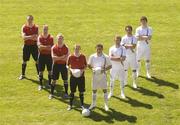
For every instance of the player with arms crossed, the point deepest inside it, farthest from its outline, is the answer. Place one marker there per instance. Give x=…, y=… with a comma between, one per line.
x=45, y=42
x=77, y=65
x=117, y=54
x=130, y=41
x=29, y=34
x=144, y=35
x=60, y=53
x=99, y=63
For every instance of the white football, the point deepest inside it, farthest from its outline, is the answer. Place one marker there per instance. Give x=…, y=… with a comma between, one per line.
x=76, y=72
x=85, y=112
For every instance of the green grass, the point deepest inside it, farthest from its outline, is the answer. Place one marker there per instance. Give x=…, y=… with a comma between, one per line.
x=87, y=22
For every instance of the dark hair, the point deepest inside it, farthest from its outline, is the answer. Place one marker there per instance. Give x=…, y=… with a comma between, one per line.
x=30, y=16
x=129, y=27
x=143, y=18
x=99, y=45
x=117, y=36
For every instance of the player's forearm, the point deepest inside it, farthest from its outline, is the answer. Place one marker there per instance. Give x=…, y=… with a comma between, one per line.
x=108, y=67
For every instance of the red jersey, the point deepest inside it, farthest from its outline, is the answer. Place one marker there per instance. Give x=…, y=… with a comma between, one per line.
x=30, y=31
x=77, y=62
x=48, y=41
x=60, y=52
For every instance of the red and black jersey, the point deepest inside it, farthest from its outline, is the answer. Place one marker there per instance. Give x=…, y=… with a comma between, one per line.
x=30, y=31
x=77, y=62
x=60, y=51
x=48, y=41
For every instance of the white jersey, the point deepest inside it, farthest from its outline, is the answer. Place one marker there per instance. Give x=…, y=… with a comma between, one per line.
x=100, y=80
x=129, y=41
x=119, y=52
x=143, y=31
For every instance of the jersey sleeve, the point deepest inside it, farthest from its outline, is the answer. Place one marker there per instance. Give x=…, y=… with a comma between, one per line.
x=150, y=31
x=137, y=32
x=123, y=42
x=69, y=60
x=110, y=51
x=85, y=62
x=134, y=40
x=108, y=62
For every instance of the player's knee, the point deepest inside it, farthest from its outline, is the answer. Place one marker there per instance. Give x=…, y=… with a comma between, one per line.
x=24, y=62
x=65, y=81
x=134, y=70
x=53, y=82
x=41, y=73
x=94, y=91
x=147, y=61
x=104, y=90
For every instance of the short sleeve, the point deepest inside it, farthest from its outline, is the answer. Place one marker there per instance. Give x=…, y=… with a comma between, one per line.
x=108, y=62
x=110, y=51
x=85, y=62
x=123, y=42
x=137, y=32
x=150, y=31
x=134, y=40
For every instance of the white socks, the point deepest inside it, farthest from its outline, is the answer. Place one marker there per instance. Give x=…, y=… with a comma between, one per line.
x=111, y=86
x=138, y=68
x=125, y=77
x=106, y=98
x=94, y=96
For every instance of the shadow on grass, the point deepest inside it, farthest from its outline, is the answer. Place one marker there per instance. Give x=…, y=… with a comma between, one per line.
x=134, y=102
x=110, y=116
x=147, y=92
x=161, y=82
x=59, y=94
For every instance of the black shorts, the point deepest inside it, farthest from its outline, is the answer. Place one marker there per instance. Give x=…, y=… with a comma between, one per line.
x=29, y=50
x=80, y=82
x=60, y=68
x=44, y=60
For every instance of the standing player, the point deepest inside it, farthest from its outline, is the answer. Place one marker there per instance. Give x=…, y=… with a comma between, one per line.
x=60, y=53
x=45, y=42
x=29, y=35
x=77, y=64
x=130, y=41
x=99, y=63
x=117, y=55
x=144, y=34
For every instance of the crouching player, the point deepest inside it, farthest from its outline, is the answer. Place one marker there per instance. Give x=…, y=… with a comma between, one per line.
x=99, y=63
x=117, y=55
x=45, y=42
x=77, y=64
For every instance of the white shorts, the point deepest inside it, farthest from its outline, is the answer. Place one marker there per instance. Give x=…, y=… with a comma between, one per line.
x=99, y=81
x=130, y=62
x=143, y=52
x=117, y=74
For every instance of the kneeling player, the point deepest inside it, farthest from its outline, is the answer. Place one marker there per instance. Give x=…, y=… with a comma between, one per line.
x=99, y=63
x=45, y=42
x=117, y=55
x=129, y=41
x=60, y=53
x=77, y=64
